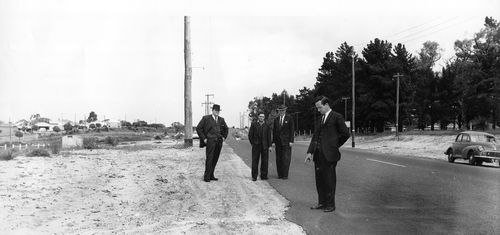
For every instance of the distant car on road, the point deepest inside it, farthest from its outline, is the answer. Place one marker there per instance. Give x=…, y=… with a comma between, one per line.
x=476, y=147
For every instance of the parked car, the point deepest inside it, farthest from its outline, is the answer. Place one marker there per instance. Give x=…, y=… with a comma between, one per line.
x=476, y=147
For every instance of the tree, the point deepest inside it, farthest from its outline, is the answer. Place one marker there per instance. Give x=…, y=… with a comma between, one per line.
x=68, y=127
x=177, y=126
x=92, y=117
x=377, y=101
x=19, y=135
x=426, y=99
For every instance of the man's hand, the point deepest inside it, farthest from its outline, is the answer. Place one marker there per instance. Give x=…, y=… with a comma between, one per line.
x=270, y=149
x=290, y=144
x=308, y=158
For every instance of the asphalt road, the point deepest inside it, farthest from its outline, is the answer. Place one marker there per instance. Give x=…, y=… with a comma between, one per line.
x=383, y=194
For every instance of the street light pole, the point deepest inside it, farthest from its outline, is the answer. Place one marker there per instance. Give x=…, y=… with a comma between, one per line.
x=353, y=127
x=345, y=104
x=397, y=104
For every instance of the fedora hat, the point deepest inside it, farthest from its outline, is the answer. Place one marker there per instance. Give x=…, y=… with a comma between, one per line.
x=216, y=107
x=282, y=107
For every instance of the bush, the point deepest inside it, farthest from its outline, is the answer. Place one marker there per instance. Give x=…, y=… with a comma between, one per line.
x=19, y=135
x=56, y=129
x=113, y=141
x=38, y=153
x=90, y=143
x=68, y=127
x=55, y=147
x=5, y=155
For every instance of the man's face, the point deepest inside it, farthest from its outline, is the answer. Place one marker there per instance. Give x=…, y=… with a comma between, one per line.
x=322, y=108
x=215, y=112
x=282, y=112
x=261, y=117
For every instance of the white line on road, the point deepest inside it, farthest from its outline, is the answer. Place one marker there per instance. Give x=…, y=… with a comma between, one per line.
x=385, y=162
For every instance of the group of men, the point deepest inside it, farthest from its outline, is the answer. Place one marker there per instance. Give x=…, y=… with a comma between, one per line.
x=329, y=135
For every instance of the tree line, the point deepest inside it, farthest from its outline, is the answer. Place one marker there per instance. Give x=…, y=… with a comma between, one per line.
x=464, y=94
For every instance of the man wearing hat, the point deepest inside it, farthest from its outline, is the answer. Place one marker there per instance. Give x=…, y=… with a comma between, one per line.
x=283, y=135
x=212, y=131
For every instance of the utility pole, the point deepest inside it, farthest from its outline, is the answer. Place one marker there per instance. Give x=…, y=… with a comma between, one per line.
x=207, y=103
x=353, y=127
x=345, y=104
x=397, y=105
x=188, y=122
x=10, y=133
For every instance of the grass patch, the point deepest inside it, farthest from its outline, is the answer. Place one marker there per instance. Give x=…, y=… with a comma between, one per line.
x=6, y=155
x=90, y=143
x=38, y=153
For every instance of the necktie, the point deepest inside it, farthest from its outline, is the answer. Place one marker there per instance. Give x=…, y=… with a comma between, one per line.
x=323, y=119
x=281, y=121
x=216, y=119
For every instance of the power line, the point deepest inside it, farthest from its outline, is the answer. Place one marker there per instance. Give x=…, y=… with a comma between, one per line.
x=413, y=27
x=425, y=29
x=439, y=30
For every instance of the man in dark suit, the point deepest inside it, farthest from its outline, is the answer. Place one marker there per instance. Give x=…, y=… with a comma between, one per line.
x=212, y=131
x=283, y=135
x=259, y=136
x=331, y=132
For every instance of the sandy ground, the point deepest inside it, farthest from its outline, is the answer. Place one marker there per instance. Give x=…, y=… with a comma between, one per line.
x=409, y=145
x=153, y=188
x=156, y=188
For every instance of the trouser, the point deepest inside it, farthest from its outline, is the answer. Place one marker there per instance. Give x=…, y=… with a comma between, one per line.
x=283, y=159
x=214, y=146
x=326, y=179
x=258, y=152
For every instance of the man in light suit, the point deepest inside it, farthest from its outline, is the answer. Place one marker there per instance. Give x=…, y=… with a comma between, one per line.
x=283, y=136
x=330, y=134
x=259, y=136
x=212, y=130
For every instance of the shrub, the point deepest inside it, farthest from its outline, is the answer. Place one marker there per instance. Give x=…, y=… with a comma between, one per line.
x=19, y=135
x=55, y=147
x=68, y=127
x=56, y=129
x=90, y=143
x=5, y=155
x=38, y=153
x=113, y=141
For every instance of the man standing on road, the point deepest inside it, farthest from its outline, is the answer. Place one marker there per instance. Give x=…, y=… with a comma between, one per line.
x=259, y=136
x=331, y=132
x=283, y=132
x=212, y=131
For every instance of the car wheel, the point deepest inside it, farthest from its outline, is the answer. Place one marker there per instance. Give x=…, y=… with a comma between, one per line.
x=472, y=159
x=450, y=157
x=479, y=162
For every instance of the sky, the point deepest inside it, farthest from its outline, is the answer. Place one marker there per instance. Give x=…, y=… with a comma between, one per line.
x=124, y=59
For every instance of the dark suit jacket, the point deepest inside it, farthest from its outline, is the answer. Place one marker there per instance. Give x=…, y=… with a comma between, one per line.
x=206, y=129
x=282, y=135
x=253, y=136
x=334, y=134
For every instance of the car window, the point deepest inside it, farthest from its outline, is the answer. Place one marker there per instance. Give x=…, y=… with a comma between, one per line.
x=459, y=138
x=482, y=138
x=465, y=138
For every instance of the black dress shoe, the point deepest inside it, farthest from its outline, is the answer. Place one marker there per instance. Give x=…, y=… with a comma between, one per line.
x=206, y=180
x=263, y=178
x=329, y=209
x=284, y=178
x=318, y=207
x=213, y=178
x=254, y=179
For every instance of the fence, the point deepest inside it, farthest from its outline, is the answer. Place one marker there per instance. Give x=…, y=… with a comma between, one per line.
x=24, y=146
